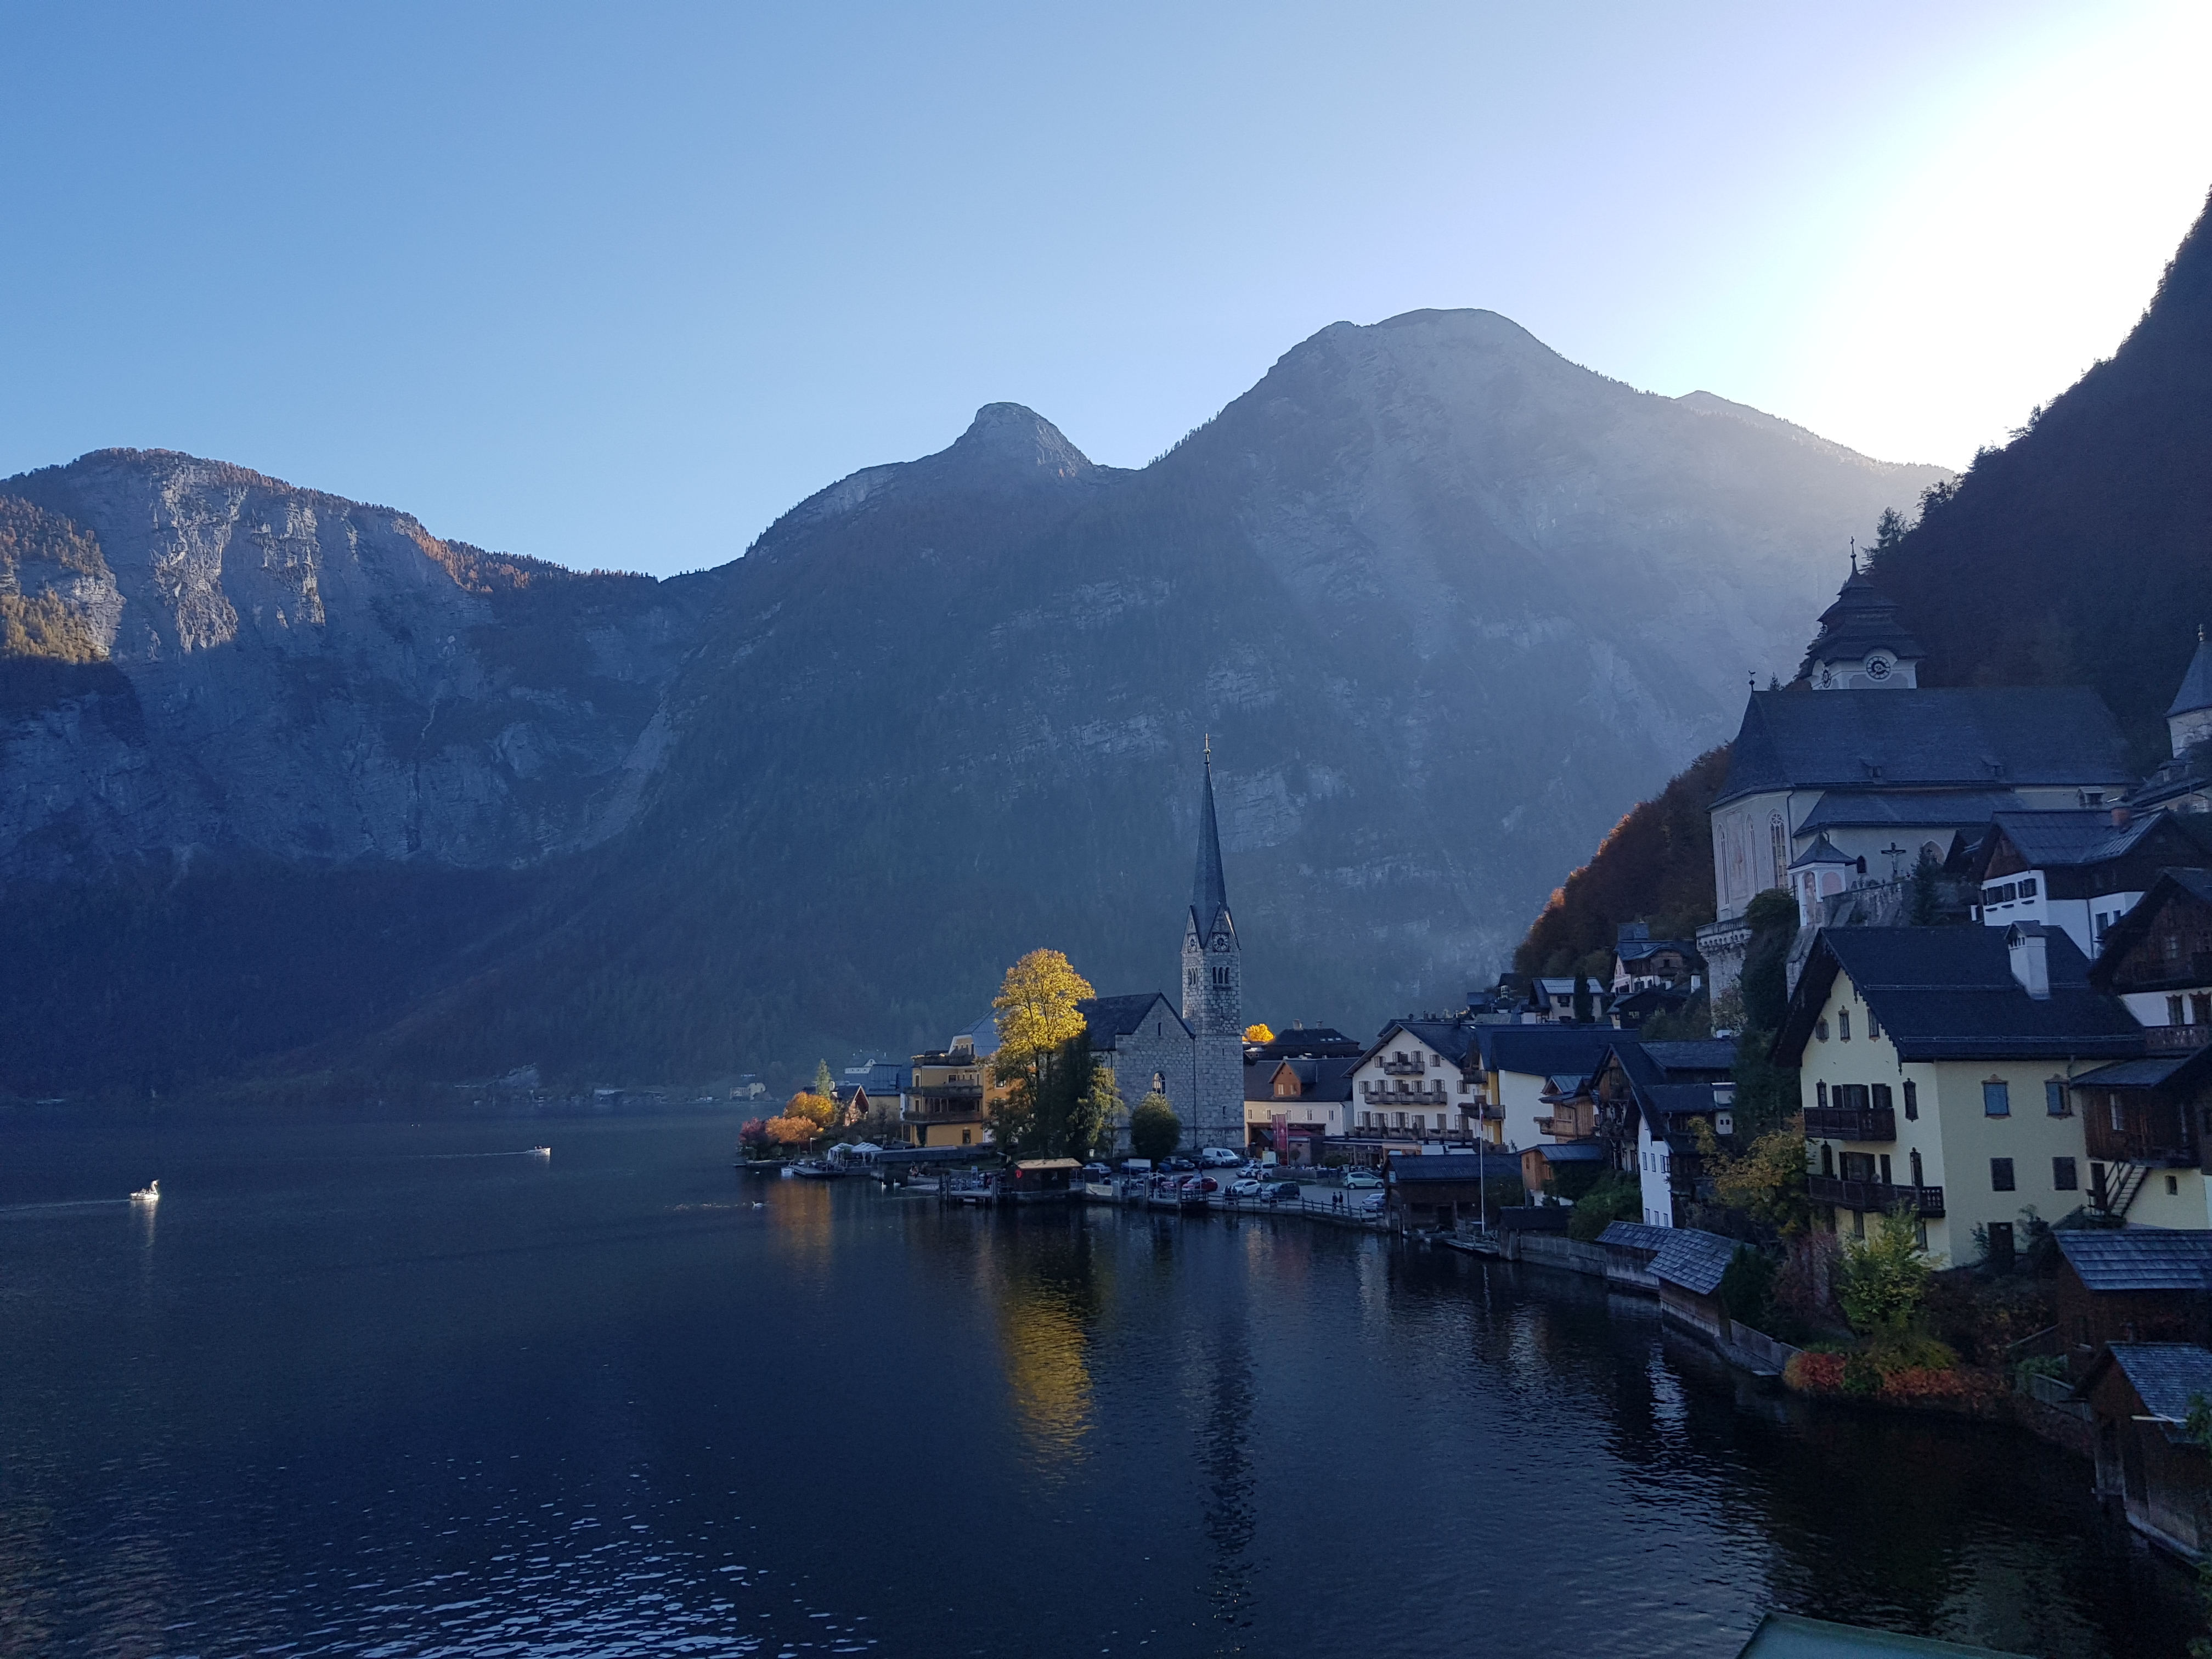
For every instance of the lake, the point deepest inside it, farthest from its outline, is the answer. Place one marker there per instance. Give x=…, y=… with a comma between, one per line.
x=395, y=1388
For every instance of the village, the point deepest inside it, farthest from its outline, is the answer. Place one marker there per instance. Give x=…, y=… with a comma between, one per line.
x=1922, y=1120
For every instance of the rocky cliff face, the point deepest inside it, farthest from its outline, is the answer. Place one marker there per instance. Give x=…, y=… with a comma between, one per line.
x=1447, y=604
x=200, y=658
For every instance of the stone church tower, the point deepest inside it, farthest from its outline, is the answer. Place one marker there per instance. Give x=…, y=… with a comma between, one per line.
x=1213, y=990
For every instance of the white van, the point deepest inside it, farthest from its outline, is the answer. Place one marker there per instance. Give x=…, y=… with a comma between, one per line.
x=1220, y=1157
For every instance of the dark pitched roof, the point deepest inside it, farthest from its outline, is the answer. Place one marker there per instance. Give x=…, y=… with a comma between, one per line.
x=1822, y=851
x=1566, y=1152
x=1692, y=1260
x=2138, y=1258
x=1634, y=1236
x=2166, y=1376
x=2152, y=1072
x=1957, y=738
x=1310, y=1040
x=1949, y=993
x=2056, y=840
x=1923, y=809
x=1449, y=1037
x=1692, y=1055
x=1327, y=1077
x=1117, y=1016
x=1209, y=893
x=1545, y=1050
x=2195, y=691
x=1636, y=950
x=1454, y=1166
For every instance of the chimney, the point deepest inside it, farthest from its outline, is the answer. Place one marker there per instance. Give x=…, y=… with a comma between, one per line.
x=2119, y=818
x=2031, y=962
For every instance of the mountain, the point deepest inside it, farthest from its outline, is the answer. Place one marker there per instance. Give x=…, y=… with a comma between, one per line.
x=203, y=660
x=2081, y=552
x=1445, y=602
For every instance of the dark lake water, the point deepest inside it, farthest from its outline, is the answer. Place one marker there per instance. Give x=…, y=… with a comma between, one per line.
x=392, y=1390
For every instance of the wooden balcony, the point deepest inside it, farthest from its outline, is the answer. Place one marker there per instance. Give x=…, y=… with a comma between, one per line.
x=1404, y=1067
x=1841, y=1123
x=2176, y=1039
x=1878, y=1197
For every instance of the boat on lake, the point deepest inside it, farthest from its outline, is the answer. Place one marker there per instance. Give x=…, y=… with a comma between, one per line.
x=815, y=1169
x=149, y=1194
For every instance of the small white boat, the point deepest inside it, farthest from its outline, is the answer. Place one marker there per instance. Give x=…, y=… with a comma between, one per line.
x=149, y=1194
x=541, y=1152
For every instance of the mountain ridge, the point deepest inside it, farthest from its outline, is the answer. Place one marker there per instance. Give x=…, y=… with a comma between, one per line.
x=1444, y=599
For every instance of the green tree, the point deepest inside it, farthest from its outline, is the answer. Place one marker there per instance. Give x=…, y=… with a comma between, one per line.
x=824, y=1083
x=1155, y=1131
x=1883, y=1278
x=1105, y=1111
x=1927, y=903
x=1613, y=1197
x=1766, y=1181
x=1889, y=529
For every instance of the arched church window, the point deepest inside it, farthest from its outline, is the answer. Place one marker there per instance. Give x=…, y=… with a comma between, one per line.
x=1778, y=845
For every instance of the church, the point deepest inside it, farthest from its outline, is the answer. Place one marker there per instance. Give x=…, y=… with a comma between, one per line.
x=1194, y=1055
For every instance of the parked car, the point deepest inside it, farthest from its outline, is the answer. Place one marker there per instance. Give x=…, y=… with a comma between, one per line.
x=1282, y=1192
x=1247, y=1187
x=1177, y=1163
x=1201, y=1184
x=1220, y=1157
x=1374, y=1201
x=1096, y=1172
x=1356, y=1179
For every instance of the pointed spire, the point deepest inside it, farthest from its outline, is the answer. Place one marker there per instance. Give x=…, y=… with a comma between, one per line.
x=1209, y=896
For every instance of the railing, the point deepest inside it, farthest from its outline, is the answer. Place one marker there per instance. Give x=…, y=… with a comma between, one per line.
x=1877, y=1196
x=2176, y=1039
x=1850, y=1123
x=1434, y=1095
x=1404, y=1067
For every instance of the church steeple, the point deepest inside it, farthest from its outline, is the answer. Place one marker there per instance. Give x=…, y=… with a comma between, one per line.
x=1213, y=987
x=1209, y=894
x=1862, y=644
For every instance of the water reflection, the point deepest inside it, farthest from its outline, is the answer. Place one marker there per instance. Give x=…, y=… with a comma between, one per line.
x=1047, y=1295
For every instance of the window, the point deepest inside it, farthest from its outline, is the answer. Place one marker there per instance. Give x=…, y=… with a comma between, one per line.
x=1844, y=1024
x=2054, y=1097
x=2200, y=1009
x=1859, y=1166
x=2174, y=1011
x=1885, y=1169
x=2065, y=1176
x=1911, y=1101
x=1191, y=979
x=2027, y=890
x=1820, y=1029
x=1777, y=846
x=2173, y=1184
x=1821, y=1095
x=1401, y=1120
x=1916, y=1180
x=1827, y=1159
x=1996, y=1098
x=2001, y=1175
x=1874, y=1025
x=1881, y=1097
x=1849, y=1096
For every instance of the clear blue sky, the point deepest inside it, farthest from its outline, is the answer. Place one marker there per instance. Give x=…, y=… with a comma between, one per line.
x=615, y=285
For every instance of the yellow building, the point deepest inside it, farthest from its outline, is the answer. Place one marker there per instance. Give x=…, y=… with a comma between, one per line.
x=1935, y=1068
x=947, y=1103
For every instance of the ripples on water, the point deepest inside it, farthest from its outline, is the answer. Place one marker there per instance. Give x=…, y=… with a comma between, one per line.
x=398, y=1390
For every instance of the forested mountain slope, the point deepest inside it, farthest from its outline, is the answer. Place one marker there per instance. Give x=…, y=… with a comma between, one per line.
x=1445, y=602
x=2080, y=553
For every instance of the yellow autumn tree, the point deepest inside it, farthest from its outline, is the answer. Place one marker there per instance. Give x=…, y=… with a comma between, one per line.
x=1037, y=1021
x=818, y=1109
x=1258, y=1034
